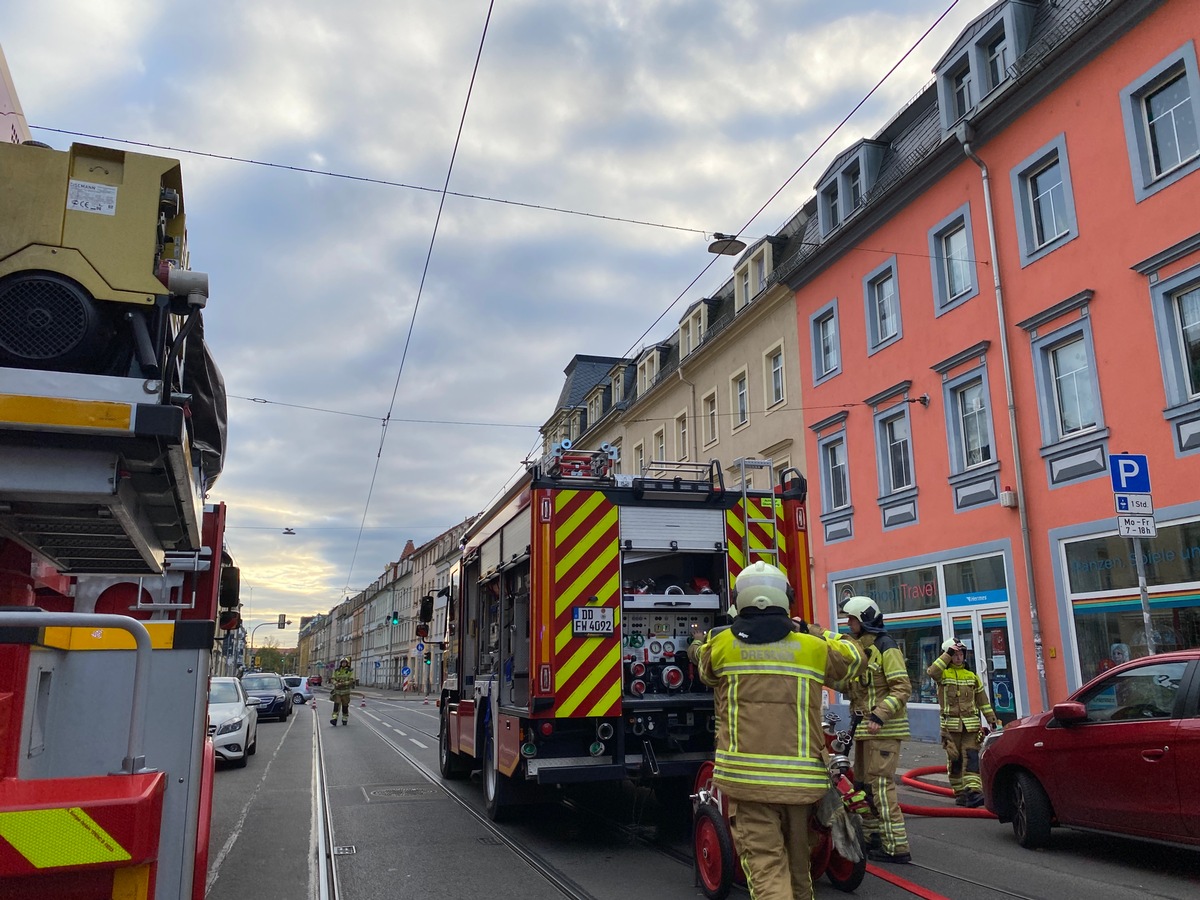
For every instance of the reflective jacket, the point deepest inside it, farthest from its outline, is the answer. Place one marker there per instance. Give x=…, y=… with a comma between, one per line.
x=770, y=744
x=961, y=696
x=343, y=680
x=881, y=692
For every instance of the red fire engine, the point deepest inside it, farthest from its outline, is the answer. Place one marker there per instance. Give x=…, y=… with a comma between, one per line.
x=578, y=594
x=112, y=423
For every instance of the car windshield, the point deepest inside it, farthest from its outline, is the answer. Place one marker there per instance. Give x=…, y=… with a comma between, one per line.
x=223, y=692
x=262, y=683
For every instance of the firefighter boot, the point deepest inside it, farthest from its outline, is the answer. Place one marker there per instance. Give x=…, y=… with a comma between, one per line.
x=974, y=799
x=345, y=721
x=960, y=798
x=333, y=721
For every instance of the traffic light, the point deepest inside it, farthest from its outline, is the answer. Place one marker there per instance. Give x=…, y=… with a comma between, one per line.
x=395, y=617
x=426, y=611
x=428, y=658
x=283, y=620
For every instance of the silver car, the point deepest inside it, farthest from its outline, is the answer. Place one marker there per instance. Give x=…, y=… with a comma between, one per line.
x=298, y=686
x=232, y=721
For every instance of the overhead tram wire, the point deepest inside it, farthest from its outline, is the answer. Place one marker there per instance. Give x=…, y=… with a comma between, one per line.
x=420, y=288
x=339, y=412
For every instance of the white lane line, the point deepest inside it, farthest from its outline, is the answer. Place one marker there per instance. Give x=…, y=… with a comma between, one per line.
x=399, y=732
x=418, y=743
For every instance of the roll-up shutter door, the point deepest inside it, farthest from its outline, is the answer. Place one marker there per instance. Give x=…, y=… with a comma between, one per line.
x=655, y=529
x=515, y=537
x=489, y=554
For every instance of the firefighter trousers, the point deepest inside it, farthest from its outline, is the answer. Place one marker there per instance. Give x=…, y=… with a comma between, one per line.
x=773, y=842
x=962, y=760
x=342, y=701
x=875, y=762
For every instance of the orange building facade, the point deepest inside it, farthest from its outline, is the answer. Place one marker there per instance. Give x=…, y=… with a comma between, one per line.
x=1002, y=290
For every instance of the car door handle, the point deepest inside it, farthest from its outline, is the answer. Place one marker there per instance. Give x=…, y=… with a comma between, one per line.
x=1153, y=755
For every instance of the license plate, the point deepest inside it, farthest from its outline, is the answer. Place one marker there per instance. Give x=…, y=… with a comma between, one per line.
x=590, y=621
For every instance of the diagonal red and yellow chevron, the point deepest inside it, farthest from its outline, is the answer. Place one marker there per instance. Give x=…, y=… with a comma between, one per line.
x=761, y=536
x=587, y=572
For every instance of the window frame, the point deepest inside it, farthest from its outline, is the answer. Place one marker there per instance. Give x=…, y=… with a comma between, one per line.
x=775, y=394
x=939, y=269
x=660, y=444
x=837, y=521
x=1021, y=178
x=741, y=418
x=871, y=280
x=1183, y=406
x=1137, y=138
x=897, y=504
x=639, y=458
x=976, y=485
x=827, y=313
x=681, y=436
x=712, y=418
x=884, y=443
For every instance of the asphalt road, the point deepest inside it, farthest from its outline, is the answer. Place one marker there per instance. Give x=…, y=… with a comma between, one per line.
x=399, y=832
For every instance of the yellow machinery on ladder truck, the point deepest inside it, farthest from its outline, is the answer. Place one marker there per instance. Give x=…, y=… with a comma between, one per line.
x=112, y=568
x=579, y=589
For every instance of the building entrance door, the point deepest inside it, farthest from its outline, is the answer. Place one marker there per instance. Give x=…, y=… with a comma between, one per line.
x=986, y=636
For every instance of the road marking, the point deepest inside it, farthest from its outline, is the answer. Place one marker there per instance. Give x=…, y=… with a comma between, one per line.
x=399, y=732
x=418, y=743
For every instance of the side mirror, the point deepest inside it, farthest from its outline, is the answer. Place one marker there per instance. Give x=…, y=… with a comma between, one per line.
x=254, y=701
x=1070, y=712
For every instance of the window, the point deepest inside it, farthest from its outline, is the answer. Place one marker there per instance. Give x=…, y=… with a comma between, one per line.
x=854, y=183
x=882, y=307
x=996, y=53
x=618, y=388
x=951, y=261
x=616, y=466
x=974, y=434
x=685, y=338
x=746, y=295
x=832, y=206
x=1073, y=400
x=835, y=474
x=1147, y=692
x=960, y=86
x=639, y=458
x=1160, y=110
x=773, y=370
x=1187, y=305
x=647, y=372
x=897, y=453
x=660, y=445
x=741, y=400
x=1175, y=304
x=1044, y=201
x=758, y=270
x=595, y=406
x=823, y=334
x=1070, y=410
x=681, y=437
x=710, y=418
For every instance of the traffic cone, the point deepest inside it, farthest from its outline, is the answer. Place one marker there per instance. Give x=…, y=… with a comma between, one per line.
x=363, y=702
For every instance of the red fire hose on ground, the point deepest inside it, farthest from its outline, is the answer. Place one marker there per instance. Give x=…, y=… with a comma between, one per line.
x=912, y=779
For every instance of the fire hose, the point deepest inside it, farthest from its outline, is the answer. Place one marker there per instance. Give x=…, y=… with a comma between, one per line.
x=912, y=779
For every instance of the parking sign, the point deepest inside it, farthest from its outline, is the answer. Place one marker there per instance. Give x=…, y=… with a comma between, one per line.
x=1129, y=472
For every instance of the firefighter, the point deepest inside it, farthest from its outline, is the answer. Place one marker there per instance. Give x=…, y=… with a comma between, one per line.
x=767, y=672
x=963, y=702
x=343, y=680
x=879, y=705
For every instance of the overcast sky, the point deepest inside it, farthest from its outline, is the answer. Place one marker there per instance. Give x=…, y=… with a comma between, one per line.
x=681, y=113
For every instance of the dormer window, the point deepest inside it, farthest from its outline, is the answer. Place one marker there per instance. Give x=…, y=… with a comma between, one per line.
x=752, y=274
x=647, y=371
x=979, y=61
x=618, y=387
x=832, y=206
x=854, y=182
x=846, y=184
x=691, y=329
x=595, y=408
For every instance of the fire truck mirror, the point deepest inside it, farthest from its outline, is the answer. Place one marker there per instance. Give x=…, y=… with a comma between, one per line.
x=230, y=587
x=426, y=612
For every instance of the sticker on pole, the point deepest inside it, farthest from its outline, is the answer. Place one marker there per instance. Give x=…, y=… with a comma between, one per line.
x=592, y=621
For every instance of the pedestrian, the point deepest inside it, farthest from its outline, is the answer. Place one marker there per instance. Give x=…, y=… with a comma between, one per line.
x=343, y=680
x=767, y=672
x=964, y=705
x=879, y=706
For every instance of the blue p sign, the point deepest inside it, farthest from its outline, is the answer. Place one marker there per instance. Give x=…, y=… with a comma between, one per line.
x=1130, y=473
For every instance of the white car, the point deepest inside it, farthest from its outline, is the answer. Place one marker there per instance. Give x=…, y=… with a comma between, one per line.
x=232, y=721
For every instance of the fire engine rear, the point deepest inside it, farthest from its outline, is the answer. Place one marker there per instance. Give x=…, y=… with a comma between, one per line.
x=112, y=425
x=579, y=594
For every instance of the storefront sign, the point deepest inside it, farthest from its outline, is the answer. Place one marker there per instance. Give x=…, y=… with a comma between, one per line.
x=977, y=598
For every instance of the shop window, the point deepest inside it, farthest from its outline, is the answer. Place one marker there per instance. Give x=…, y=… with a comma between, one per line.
x=1160, y=113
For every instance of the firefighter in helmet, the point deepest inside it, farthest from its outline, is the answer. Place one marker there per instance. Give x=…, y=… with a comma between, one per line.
x=963, y=702
x=767, y=671
x=343, y=680
x=879, y=705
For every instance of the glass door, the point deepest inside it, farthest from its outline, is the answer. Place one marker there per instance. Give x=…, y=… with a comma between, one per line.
x=986, y=636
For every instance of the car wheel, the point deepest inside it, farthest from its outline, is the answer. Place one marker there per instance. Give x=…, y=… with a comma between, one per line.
x=297, y=699
x=1032, y=813
x=451, y=765
x=497, y=789
x=253, y=748
x=241, y=762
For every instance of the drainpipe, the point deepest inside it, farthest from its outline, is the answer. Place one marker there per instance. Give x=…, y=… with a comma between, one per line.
x=692, y=415
x=965, y=134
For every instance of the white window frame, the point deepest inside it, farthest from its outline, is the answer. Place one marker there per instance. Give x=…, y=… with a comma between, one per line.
x=647, y=372
x=824, y=367
x=1146, y=180
x=876, y=341
x=1183, y=401
x=739, y=399
x=681, y=436
x=618, y=388
x=835, y=475
x=1031, y=248
x=774, y=384
x=712, y=418
x=940, y=261
x=660, y=445
x=639, y=458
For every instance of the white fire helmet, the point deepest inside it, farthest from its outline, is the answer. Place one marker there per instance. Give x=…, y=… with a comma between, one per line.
x=762, y=585
x=864, y=609
x=951, y=644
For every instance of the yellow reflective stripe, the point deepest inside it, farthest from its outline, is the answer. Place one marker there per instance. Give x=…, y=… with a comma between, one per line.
x=162, y=637
x=52, y=838
x=791, y=670
x=603, y=669
x=57, y=412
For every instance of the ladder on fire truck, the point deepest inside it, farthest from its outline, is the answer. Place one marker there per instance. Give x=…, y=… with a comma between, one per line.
x=765, y=517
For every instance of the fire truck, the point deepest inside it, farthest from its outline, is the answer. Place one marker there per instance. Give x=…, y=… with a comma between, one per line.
x=113, y=570
x=578, y=596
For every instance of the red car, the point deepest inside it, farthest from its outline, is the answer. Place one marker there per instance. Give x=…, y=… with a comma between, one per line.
x=314, y=680
x=1120, y=756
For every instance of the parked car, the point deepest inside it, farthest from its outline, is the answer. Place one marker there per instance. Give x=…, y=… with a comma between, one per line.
x=314, y=681
x=1120, y=755
x=275, y=700
x=298, y=685
x=232, y=721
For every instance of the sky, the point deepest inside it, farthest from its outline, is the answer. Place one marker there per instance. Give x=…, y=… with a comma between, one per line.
x=335, y=305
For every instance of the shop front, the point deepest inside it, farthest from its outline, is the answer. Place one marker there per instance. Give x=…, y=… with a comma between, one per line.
x=1101, y=600
x=964, y=593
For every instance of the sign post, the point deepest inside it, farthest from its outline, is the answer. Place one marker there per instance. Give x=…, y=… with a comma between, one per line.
x=1130, y=474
